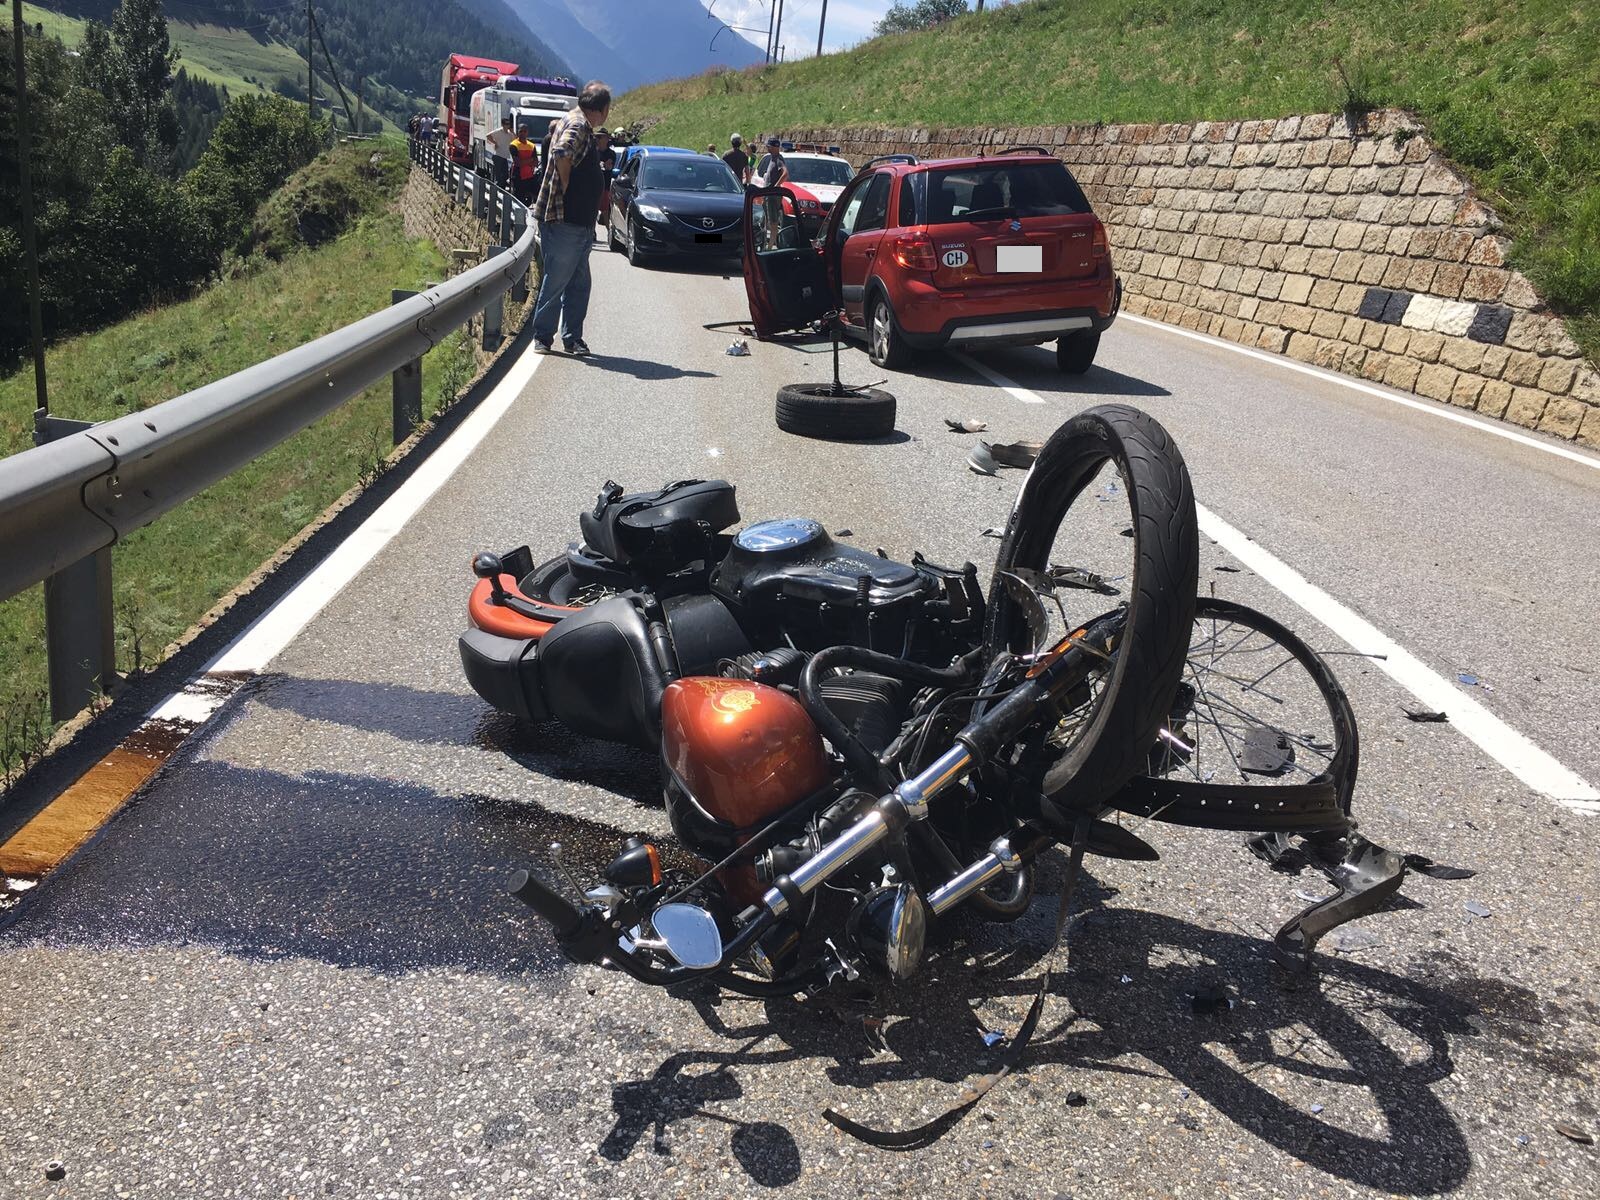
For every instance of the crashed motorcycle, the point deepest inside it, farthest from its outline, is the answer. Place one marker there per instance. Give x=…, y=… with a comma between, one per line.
x=854, y=748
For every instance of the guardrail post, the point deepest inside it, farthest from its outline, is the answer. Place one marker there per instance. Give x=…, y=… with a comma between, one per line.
x=519, y=223
x=407, y=386
x=480, y=198
x=80, y=636
x=494, y=311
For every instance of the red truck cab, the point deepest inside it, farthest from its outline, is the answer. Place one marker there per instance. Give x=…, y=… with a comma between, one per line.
x=463, y=75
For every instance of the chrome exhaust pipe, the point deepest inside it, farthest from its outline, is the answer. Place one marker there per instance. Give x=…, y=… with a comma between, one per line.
x=1001, y=859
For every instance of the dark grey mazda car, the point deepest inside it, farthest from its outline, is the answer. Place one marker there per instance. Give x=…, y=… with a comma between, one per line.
x=675, y=202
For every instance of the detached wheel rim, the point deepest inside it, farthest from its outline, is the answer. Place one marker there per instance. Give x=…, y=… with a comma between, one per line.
x=880, y=331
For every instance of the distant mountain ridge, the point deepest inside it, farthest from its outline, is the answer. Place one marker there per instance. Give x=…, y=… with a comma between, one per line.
x=628, y=42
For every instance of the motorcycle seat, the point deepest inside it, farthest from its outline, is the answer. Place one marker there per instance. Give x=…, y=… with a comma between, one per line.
x=662, y=529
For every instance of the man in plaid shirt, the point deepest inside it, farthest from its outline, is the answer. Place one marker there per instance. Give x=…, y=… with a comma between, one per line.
x=568, y=200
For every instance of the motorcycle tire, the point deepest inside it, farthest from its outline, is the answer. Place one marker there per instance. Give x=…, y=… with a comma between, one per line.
x=1137, y=691
x=810, y=410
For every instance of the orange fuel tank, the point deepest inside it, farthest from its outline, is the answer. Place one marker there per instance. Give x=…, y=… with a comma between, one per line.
x=742, y=751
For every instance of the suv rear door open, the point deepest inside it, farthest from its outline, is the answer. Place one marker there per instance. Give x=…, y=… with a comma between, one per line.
x=784, y=274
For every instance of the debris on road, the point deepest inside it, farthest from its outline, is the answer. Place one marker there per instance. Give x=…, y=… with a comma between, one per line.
x=993, y=532
x=1016, y=454
x=1227, y=568
x=1424, y=865
x=1471, y=679
x=993, y=1037
x=1076, y=1099
x=1316, y=1108
x=1572, y=1133
x=981, y=461
x=55, y=1170
x=1080, y=577
x=1422, y=715
x=1477, y=908
x=969, y=425
x=1346, y=941
x=844, y=533
x=739, y=348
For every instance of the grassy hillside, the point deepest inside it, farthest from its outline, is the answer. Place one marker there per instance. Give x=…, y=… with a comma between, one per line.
x=228, y=57
x=169, y=573
x=1510, y=89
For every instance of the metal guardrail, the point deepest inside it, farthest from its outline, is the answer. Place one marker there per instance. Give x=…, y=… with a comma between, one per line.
x=66, y=501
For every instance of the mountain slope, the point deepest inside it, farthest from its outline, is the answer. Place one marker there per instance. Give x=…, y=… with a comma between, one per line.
x=628, y=43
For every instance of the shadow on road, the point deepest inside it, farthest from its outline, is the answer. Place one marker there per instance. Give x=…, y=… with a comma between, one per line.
x=1034, y=367
x=642, y=368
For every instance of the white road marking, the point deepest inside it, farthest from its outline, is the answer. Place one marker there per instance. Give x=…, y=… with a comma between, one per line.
x=1355, y=385
x=1000, y=381
x=274, y=629
x=1508, y=747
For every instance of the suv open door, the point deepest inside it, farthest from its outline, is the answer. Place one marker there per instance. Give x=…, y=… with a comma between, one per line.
x=785, y=275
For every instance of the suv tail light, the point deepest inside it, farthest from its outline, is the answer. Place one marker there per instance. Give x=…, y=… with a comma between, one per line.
x=1099, y=248
x=914, y=251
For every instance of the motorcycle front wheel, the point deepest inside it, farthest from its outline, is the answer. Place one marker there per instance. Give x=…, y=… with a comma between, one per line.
x=1105, y=522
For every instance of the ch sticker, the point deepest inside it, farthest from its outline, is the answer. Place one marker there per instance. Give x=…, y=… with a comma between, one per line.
x=955, y=257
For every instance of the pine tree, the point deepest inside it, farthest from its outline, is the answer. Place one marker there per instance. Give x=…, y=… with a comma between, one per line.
x=143, y=72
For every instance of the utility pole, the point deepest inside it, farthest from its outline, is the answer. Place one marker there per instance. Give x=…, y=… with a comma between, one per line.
x=777, y=36
x=311, y=77
x=361, y=103
x=822, y=24
x=30, y=249
x=772, y=13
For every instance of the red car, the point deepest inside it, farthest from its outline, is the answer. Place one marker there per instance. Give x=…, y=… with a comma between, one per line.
x=958, y=252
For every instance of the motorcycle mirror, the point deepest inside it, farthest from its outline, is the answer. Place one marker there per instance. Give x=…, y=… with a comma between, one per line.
x=689, y=934
x=487, y=565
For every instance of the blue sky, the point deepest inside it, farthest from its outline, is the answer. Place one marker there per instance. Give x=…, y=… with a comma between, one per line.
x=849, y=22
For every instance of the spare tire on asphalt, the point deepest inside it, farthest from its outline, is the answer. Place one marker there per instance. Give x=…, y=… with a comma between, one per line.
x=812, y=410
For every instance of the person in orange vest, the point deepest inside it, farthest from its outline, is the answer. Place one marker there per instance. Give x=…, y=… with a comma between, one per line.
x=524, y=165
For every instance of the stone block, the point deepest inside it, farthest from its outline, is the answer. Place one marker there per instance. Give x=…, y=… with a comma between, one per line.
x=1302, y=346
x=1347, y=266
x=1557, y=376
x=1328, y=325
x=1396, y=339
x=1271, y=286
x=1321, y=233
x=1586, y=386
x=1272, y=339
x=1494, y=398
x=1402, y=373
x=1454, y=245
x=1363, y=153
x=1339, y=180
x=1420, y=277
x=1495, y=359
x=1370, y=209
x=1314, y=154
x=1395, y=273
x=1563, y=417
x=1425, y=347
x=1526, y=407
x=1371, y=268
x=1249, y=281
x=1589, y=431
x=1422, y=312
x=1374, y=240
x=1519, y=292
x=1448, y=280
x=1438, y=180
x=1351, y=296
x=1376, y=366
x=1297, y=289
x=1462, y=354
x=1248, y=307
x=1465, y=393
x=1394, y=310
x=1209, y=274
x=1372, y=334
x=1324, y=293
x=1489, y=324
x=1372, y=303
x=1416, y=150
x=1315, y=125
x=1522, y=369
x=1455, y=317
x=1523, y=331
x=1436, y=382
x=1347, y=236
x=1321, y=261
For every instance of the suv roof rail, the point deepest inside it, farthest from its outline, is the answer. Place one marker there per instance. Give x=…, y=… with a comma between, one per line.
x=883, y=158
x=1026, y=150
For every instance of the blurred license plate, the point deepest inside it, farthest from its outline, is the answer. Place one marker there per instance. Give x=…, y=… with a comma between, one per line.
x=710, y=237
x=1018, y=259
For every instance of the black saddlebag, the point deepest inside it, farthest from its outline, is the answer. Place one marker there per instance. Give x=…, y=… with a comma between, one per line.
x=660, y=530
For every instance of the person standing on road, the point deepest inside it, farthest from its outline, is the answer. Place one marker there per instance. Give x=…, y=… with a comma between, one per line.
x=772, y=172
x=738, y=161
x=608, y=162
x=568, y=200
x=524, y=159
x=499, y=142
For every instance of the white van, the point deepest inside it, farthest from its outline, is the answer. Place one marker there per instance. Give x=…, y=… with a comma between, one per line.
x=535, y=109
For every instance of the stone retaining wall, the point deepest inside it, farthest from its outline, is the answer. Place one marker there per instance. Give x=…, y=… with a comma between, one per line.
x=1352, y=246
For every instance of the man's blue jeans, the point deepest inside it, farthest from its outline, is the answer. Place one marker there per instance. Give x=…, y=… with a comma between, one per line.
x=564, y=283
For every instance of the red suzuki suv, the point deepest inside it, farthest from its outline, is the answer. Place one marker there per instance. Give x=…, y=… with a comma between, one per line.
x=957, y=252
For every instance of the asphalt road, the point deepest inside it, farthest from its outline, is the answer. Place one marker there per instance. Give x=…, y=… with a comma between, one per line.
x=289, y=969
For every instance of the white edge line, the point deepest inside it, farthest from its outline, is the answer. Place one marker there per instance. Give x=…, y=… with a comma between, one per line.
x=1000, y=381
x=254, y=648
x=1511, y=749
x=1354, y=385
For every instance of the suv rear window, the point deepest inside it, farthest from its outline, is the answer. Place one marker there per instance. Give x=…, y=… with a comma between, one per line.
x=1013, y=189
